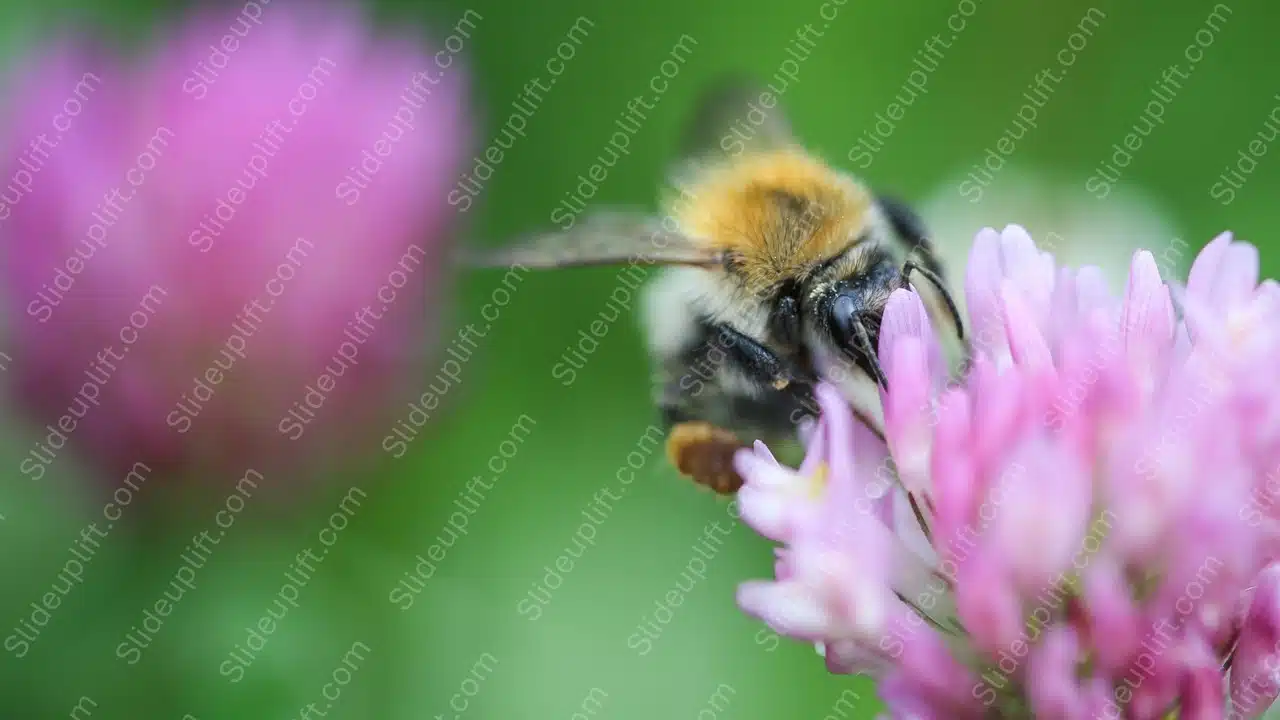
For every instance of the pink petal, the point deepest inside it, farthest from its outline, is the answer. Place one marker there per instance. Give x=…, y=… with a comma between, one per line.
x=1161, y=670
x=1030, y=269
x=1224, y=275
x=805, y=429
x=788, y=608
x=875, y=473
x=928, y=662
x=987, y=604
x=1150, y=481
x=1097, y=698
x=816, y=452
x=773, y=499
x=1051, y=675
x=849, y=567
x=1237, y=275
x=954, y=489
x=1017, y=250
x=1041, y=517
x=768, y=513
x=1064, y=312
x=1026, y=342
x=782, y=564
x=1204, y=269
x=1270, y=289
x=762, y=451
x=1201, y=695
x=906, y=412
x=1147, y=318
x=1114, y=622
x=846, y=657
x=997, y=410
x=905, y=316
x=764, y=474
x=906, y=698
x=1255, y=671
x=983, y=276
x=839, y=423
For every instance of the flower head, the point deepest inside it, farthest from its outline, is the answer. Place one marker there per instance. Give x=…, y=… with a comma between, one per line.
x=1082, y=524
x=228, y=250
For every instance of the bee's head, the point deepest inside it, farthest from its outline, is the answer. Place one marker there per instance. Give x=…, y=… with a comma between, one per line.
x=835, y=313
x=847, y=311
x=850, y=313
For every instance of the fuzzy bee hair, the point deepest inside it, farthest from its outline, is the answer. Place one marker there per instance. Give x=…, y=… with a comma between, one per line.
x=778, y=268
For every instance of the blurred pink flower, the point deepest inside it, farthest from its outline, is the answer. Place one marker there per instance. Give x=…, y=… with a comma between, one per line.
x=1083, y=526
x=229, y=251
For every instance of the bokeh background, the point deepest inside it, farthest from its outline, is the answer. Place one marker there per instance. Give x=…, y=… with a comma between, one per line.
x=468, y=642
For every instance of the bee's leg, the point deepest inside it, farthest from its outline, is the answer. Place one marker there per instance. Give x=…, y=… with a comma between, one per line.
x=756, y=360
x=910, y=266
x=922, y=258
x=699, y=444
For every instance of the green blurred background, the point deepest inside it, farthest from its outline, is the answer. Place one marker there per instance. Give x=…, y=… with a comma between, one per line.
x=464, y=640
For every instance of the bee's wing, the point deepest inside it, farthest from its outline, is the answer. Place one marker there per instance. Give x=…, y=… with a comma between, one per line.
x=603, y=238
x=730, y=117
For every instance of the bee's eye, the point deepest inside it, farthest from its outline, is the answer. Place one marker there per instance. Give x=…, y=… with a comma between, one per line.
x=844, y=314
x=850, y=330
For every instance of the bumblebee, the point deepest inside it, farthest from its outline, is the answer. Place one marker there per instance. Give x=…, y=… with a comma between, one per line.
x=775, y=271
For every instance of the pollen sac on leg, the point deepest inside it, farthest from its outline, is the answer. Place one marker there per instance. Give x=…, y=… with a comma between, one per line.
x=705, y=453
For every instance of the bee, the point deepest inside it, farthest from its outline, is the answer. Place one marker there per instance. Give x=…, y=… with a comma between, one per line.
x=775, y=270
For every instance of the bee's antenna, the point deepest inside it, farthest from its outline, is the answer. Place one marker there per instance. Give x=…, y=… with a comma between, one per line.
x=864, y=341
x=910, y=266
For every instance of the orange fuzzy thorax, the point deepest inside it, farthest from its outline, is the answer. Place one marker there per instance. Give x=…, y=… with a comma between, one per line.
x=781, y=212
